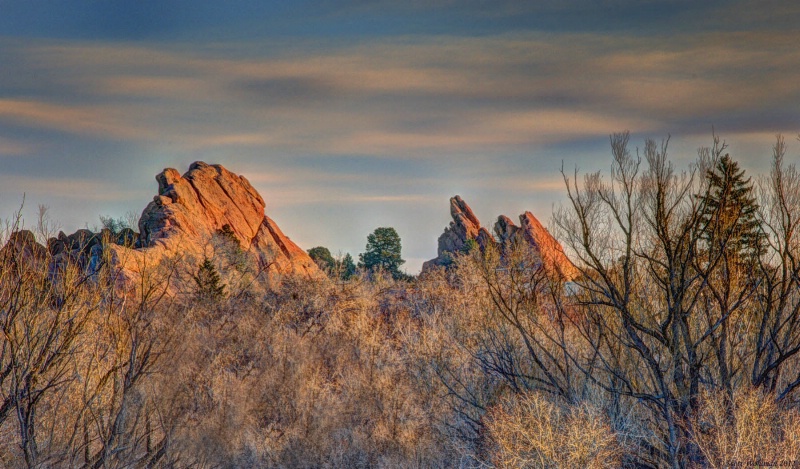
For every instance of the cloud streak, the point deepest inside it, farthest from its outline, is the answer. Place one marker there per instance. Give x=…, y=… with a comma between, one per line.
x=415, y=99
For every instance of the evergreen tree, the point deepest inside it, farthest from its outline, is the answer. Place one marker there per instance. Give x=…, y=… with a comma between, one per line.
x=343, y=268
x=322, y=256
x=470, y=246
x=347, y=268
x=383, y=251
x=209, y=284
x=728, y=220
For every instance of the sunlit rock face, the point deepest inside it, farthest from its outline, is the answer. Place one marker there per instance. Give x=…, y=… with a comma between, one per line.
x=465, y=226
x=197, y=204
x=190, y=210
x=549, y=249
x=178, y=229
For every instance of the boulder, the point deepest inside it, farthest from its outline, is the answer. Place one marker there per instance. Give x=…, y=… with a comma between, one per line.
x=22, y=248
x=126, y=237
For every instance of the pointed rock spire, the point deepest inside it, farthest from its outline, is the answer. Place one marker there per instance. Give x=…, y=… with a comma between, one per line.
x=465, y=226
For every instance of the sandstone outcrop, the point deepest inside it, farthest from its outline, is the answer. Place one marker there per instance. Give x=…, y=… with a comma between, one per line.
x=191, y=211
x=22, y=248
x=465, y=226
x=549, y=249
x=183, y=225
x=505, y=230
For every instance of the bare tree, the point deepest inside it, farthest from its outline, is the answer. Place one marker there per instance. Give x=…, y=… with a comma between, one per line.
x=43, y=319
x=658, y=297
x=776, y=323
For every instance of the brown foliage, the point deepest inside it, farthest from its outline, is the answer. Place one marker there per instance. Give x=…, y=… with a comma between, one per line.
x=751, y=429
x=530, y=431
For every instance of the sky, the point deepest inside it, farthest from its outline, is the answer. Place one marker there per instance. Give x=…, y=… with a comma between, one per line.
x=351, y=115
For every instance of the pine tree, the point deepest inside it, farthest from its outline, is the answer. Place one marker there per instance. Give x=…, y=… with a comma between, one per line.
x=347, y=267
x=728, y=220
x=209, y=284
x=383, y=251
x=322, y=256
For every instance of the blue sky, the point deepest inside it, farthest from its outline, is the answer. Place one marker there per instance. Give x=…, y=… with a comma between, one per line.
x=351, y=115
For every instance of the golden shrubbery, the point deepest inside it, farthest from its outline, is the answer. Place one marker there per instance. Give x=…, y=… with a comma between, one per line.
x=460, y=368
x=531, y=431
x=749, y=429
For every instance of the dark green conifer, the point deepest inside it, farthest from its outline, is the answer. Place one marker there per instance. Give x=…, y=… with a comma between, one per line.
x=322, y=256
x=209, y=283
x=728, y=220
x=347, y=267
x=383, y=252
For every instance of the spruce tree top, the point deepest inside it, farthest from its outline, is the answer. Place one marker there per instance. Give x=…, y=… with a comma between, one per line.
x=728, y=219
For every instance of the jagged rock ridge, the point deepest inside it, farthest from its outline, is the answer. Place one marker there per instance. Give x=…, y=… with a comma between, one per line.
x=190, y=210
x=180, y=223
x=549, y=249
x=195, y=206
x=465, y=226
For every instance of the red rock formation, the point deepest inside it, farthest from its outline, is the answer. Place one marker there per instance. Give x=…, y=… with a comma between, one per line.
x=198, y=204
x=550, y=251
x=190, y=210
x=505, y=230
x=465, y=226
x=182, y=225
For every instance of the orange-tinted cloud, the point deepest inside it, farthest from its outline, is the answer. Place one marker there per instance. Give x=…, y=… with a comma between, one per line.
x=397, y=98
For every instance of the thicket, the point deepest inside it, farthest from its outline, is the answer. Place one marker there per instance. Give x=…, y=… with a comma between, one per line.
x=678, y=345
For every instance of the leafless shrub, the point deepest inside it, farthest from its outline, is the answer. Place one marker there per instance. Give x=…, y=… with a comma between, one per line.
x=528, y=430
x=758, y=431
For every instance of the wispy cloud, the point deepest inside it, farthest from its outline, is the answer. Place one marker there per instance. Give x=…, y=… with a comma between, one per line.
x=13, y=147
x=436, y=94
x=76, y=119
